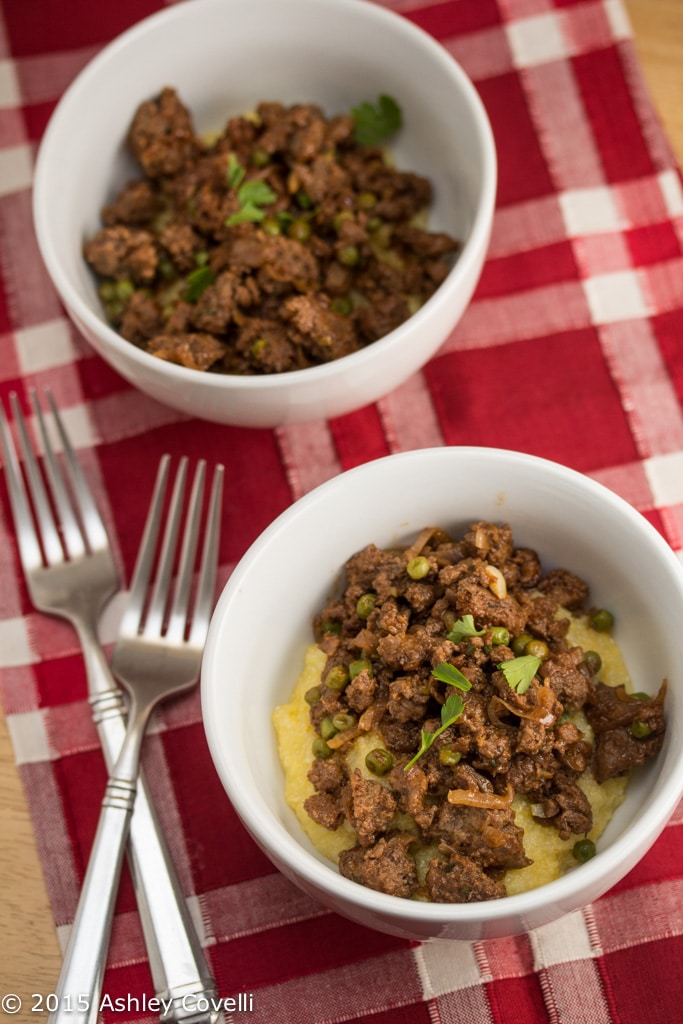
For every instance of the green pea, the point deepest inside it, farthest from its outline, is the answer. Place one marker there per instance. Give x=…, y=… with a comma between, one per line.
x=449, y=757
x=321, y=748
x=379, y=761
x=299, y=230
x=340, y=218
x=271, y=227
x=304, y=201
x=337, y=677
x=537, y=649
x=348, y=255
x=313, y=695
x=592, y=661
x=499, y=635
x=327, y=728
x=259, y=346
x=343, y=721
x=201, y=258
x=640, y=695
x=602, y=620
x=367, y=200
x=365, y=605
x=330, y=626
x=640, y=729
x=124, y=290
x=583, y=850
x=519, y=643
x=419, y=567
x=358, y=666
x=342, y=304
x=260, y=158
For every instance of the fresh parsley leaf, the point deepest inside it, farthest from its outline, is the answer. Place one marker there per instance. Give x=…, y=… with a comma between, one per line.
x=251, y=195
x=463, y=628
x=258, y=193
x=520, y=672
x=450, y=713
x=375, y=124
x=452, y=710
x=197, y=282
x=446, y=673
x=235, y=172
x=246, y=214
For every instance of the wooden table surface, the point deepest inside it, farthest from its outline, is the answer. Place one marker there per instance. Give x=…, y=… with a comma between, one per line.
x=30, y=957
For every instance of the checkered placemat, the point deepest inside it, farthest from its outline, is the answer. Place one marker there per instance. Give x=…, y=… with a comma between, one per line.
x=571, y=349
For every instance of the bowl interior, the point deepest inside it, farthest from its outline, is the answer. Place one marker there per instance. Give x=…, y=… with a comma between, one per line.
x=224, y=57
x=263, y=619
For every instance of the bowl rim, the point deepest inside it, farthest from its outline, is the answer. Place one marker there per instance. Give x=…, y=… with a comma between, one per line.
x=263, y=824
x=475, y=243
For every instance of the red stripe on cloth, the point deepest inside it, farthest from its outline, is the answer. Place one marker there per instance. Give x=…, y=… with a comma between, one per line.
x=668, y=330
x=225, y=854
x=327, y=969
x=538, y=400
x=523, y=174
x=41, y=27
x=359, y=437
x=654, y=243
x=81, y=779
x=609, y=108
x=61, y=681
x=516, y=1000
x=363, y=991
x=643, y=984
x=442, y=20
x=531, y=269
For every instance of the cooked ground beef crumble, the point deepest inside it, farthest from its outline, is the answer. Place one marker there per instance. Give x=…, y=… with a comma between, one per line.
x=280, y=244
x=479, y=618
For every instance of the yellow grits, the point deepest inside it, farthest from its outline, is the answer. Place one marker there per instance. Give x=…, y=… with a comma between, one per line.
x=551, y=855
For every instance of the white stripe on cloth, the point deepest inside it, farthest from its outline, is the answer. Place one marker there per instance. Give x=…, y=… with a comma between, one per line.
x=408, y=417
x=308, y=455
x=564, y=953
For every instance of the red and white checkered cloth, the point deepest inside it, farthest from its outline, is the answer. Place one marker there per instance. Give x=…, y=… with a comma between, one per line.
x=571, y=350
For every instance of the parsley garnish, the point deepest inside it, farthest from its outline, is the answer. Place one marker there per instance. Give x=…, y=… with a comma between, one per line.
x=235, y=172
x=450, y=712
x=197, y=282
x=374, y=124
x=520, y=672
x=446, y=673
x=463, y=628
x=251, y=195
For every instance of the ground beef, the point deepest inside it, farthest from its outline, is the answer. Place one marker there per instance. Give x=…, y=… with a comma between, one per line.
x=415, y=628
x=281, y=243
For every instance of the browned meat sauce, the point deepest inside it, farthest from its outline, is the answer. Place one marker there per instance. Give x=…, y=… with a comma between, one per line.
x=281, y=244
x=407, y=617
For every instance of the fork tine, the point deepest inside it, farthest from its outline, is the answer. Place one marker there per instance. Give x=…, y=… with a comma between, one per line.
x=135, y=606
x=49, y=536
x=71, y=532
x=157, y=606
x=93, y=526
x=207, y=573
x=178, y=615
x=29, y=548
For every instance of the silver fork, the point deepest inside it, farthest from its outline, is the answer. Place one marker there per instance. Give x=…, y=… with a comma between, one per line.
x=157, y=656
x=74, y=579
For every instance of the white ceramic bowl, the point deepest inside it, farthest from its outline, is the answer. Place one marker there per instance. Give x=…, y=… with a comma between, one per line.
x=263, y=623
x=224, y=56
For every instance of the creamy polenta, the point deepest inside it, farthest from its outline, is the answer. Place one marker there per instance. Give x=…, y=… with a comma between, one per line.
x=551, y=856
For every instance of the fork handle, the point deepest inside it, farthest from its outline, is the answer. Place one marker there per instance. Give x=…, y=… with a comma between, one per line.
x=80, y=981
x=182, y=980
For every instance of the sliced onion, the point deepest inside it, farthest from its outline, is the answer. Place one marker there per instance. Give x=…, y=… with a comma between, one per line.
x=475, y=798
